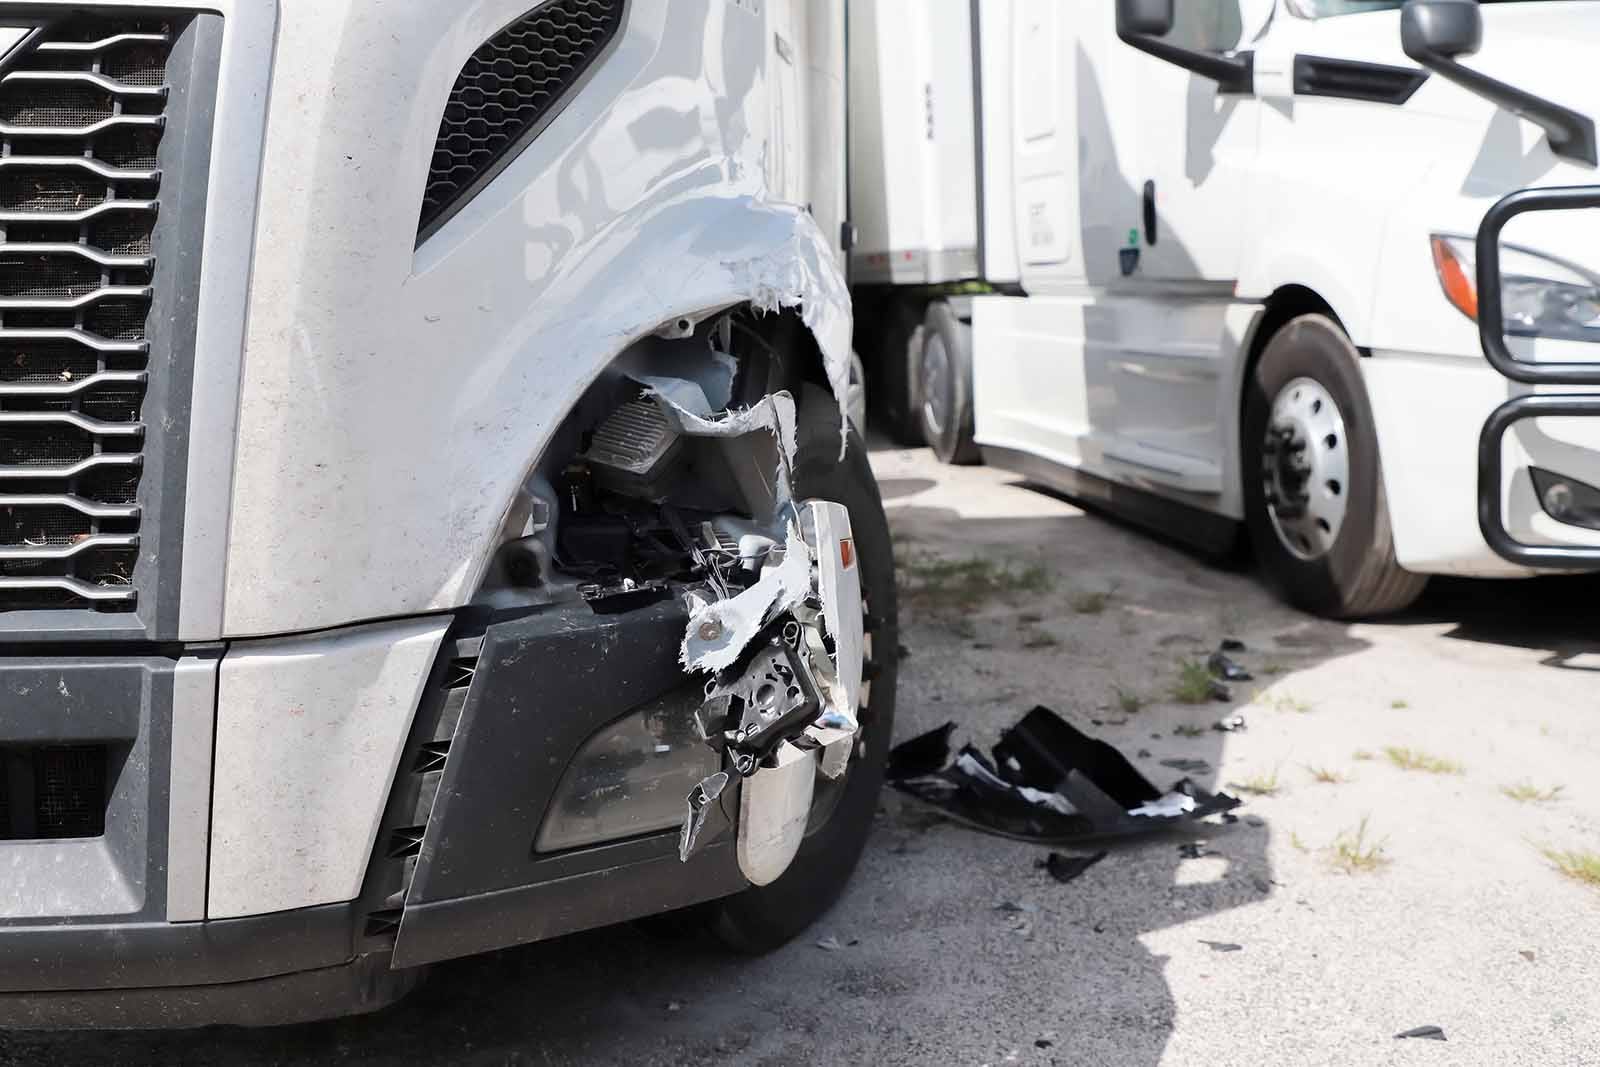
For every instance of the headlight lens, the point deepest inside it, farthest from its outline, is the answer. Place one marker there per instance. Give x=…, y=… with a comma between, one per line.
x=1540, y=296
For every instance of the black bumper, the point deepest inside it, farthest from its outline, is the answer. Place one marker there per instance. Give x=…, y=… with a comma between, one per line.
x=454, y=869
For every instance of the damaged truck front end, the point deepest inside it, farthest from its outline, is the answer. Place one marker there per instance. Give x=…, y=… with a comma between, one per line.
x=435, y=528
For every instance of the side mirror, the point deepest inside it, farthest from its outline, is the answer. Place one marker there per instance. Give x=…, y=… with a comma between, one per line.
x=1449, y=28
x=1142, y=23
x=1436, y=32
x=1146, y=17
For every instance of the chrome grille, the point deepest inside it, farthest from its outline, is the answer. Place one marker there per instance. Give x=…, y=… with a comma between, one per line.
x=81, y=121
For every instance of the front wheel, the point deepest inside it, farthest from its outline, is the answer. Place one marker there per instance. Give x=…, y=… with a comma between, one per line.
x=1313, y=480
x=765, y=917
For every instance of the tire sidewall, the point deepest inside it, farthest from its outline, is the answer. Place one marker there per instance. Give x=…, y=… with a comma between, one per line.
x=952, y=441
x=763, y=917
x=1313, y=346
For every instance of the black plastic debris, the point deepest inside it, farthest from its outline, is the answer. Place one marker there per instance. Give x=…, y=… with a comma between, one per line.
x=1195, y=850
x=1233, y=644
x=1047, y=782
x=1222, y=667
x=1064, y=868
x=1224, y=946
x=1229, y=724
x=1427, y=1033
x=924, y=754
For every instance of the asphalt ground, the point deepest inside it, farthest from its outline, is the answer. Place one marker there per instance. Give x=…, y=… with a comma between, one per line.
x=1406, y=786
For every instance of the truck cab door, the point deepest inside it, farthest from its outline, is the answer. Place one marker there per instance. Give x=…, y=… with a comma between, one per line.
x=1166, y=190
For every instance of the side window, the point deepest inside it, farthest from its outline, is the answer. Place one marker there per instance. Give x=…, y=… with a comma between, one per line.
x=1207, y=25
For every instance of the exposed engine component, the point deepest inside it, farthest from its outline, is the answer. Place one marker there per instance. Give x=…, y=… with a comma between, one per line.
x=670, y=491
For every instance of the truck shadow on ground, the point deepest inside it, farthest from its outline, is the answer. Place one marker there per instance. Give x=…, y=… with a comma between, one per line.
x=1554, y=614
x=951, y=946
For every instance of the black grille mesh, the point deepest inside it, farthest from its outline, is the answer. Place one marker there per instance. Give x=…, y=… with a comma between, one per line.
x=508, y=87
x=77, y=171
x=53, y=793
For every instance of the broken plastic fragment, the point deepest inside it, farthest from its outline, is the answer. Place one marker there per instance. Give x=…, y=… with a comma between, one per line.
x=1048, y=783
x=1233, y=644
x=719, y=631
x=1222, y=946
x=702, y=801
x=1229, y=724
x=1167, y=807
x=835, y=744
x=1188, y=766
x=1194, y=850
x=1222, y=667
x=1064, y=868
x=1427, y=1033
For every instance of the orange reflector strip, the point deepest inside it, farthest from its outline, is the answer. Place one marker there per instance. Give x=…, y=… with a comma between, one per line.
x=847, y=552
x=1459, y=287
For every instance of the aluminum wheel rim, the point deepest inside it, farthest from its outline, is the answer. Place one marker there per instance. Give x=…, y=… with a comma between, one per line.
x=1306, y=468
x=935, y=382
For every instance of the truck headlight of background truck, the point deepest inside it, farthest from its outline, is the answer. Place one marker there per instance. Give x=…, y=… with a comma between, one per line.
x=1542, y=296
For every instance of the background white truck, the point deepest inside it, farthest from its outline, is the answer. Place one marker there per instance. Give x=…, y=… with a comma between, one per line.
x=1223, y=266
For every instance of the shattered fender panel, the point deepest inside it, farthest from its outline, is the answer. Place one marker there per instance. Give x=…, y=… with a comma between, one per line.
x=804, y=274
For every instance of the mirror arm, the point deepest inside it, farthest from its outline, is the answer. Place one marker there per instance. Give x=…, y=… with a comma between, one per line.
x=1572, y=134
x=1233, y=74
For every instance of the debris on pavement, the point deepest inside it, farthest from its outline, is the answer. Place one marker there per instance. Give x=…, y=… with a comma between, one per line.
x=1188, y=766
x=1225, y=946
x=1222, y=667
x=1195, y=850
x=1233, y=644
x=831, y=943
x=1047, y=782
x=1220, y=693
x=1064, y=868
x=1427, y=1033
x=1230, y=724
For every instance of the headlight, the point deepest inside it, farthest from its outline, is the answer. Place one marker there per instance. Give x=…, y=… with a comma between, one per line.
x=1541, y=296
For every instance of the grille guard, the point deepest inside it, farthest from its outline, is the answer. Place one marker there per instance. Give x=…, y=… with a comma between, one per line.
x=1491, y=334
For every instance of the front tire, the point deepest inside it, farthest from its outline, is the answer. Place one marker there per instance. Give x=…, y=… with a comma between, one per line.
x=763, y=918
x=1314, y=496
x=944, y=385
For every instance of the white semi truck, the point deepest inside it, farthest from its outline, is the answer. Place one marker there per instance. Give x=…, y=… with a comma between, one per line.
x=1211, y=264
x=427, y=522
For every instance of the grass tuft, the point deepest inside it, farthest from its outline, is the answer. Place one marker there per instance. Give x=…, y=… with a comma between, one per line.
x=1262, y=785
x=1410, y=759
x=1041, y=639
x=1128, y=701
x=1399, y=705
x=1091, y=603
x=1194, y=683
x=1354, y=852
x=1528, y=793
x=947, y=585
x=1580, y=866
x=1363, y=754
x=1328, y=776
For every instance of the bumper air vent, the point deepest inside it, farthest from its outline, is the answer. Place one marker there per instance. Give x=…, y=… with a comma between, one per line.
x=1352, y=80
x=509, y=91
x=81, y=120
x=53, y=793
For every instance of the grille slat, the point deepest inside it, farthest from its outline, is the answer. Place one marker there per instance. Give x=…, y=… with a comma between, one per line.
x=83, y=78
